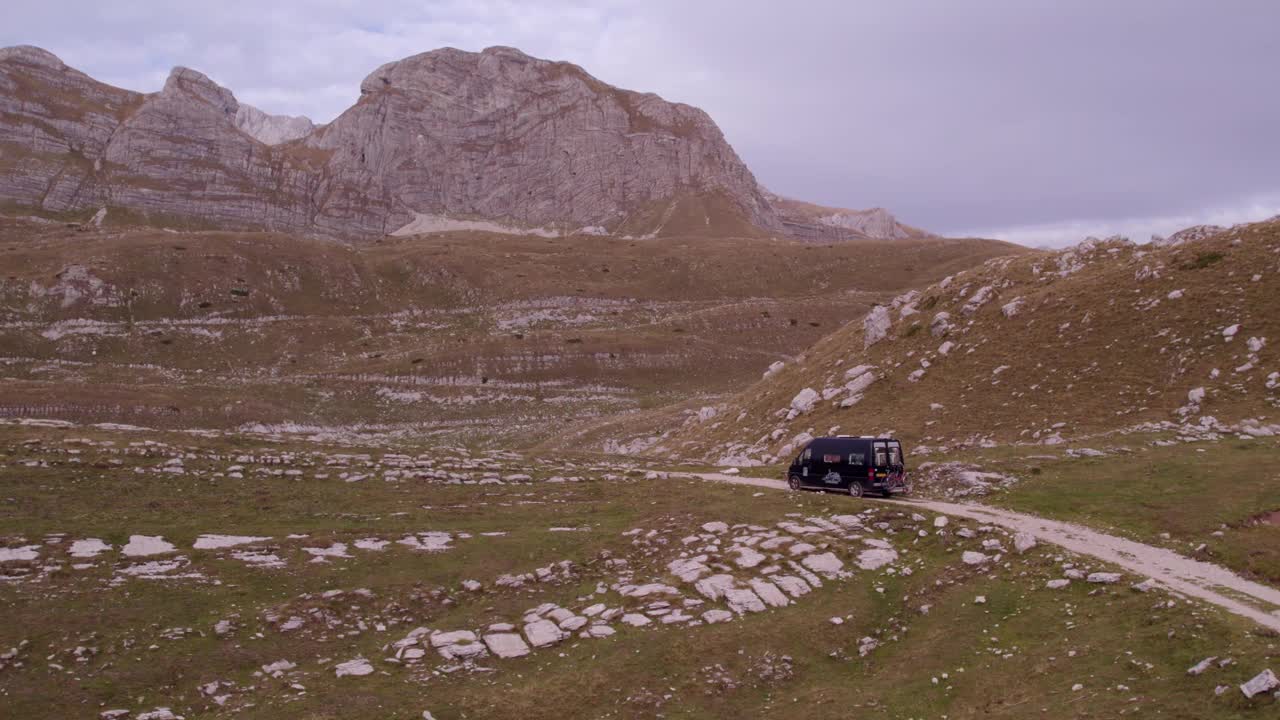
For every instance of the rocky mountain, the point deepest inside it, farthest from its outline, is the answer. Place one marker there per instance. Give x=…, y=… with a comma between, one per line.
x=817, y=222
x=445, y=135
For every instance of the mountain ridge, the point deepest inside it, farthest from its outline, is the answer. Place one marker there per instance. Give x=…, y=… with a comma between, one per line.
x=529, y=144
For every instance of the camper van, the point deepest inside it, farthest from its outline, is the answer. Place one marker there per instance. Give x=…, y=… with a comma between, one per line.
x=855, y=465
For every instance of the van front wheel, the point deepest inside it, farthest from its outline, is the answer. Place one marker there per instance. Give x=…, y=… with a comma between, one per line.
x=793, y=482
x=855, y=489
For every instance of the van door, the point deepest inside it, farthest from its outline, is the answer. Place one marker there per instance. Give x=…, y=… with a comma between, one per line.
x=857, y=462
x=828, y=463
x=889, y=471
x=880, y=463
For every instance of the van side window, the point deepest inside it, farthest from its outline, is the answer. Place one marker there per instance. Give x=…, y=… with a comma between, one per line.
x=857, y=458
x=807, y=454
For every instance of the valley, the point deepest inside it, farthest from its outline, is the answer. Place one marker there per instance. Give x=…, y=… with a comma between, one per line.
x=481, y=400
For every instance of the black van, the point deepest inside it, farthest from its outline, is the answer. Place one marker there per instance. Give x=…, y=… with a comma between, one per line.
x=855, y=465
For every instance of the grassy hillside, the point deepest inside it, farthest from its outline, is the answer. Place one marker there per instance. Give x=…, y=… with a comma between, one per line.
x=452, y=333
x=1036, y=348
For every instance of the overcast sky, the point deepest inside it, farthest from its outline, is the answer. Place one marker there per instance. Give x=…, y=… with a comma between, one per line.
x=1032, y=120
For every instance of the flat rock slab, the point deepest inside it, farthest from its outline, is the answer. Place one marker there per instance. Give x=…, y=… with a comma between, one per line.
x=825, y=563
x=974, y=558
x=506, y=645
x=714, y=587
x=711, y=617
x=743, y=601
x=639, y=591
x=542, y=633
x=792, y=585
x=214, y=542
x=458, y=644
x=87, y=548
x=1264, y=681
x=876, y=558
x=747, y=557
x=635, y=620
x=143, y=545
x=769, y=593
x=356, y=667
x=20, y=554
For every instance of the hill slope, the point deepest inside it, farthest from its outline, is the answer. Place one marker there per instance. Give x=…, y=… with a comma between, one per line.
x=1034, y=348
x=473, y=333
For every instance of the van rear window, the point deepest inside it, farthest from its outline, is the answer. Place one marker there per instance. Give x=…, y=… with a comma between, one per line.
x=881, y=456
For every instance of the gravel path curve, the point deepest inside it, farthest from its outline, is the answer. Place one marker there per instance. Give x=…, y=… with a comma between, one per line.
x=1193, y=578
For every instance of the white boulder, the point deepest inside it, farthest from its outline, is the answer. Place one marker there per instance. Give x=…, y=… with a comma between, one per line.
x=875, y=326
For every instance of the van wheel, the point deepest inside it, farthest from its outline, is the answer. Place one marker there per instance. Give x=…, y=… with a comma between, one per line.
x=793, y=482
x=855, y=489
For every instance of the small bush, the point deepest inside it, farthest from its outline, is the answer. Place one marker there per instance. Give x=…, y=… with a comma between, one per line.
x=1204, y=260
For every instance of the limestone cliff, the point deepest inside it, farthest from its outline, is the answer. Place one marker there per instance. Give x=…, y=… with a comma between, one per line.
x=495, y=135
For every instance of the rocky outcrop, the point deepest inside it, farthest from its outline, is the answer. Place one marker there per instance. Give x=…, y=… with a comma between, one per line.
x=495, y=135
x=817, y=222
x=271, y=129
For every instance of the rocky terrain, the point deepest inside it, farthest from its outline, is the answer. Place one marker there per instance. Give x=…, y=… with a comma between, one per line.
x=816, y=222
x=1040, y=349
x=164, y=575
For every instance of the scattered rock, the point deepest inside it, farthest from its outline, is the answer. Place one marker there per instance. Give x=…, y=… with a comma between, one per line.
x=876, y=325
x=1264, y=681
x=144, y=545
x=804, y=400
x=356, y=667
x=542, y=633
x=1201, y=666
x=506, y=645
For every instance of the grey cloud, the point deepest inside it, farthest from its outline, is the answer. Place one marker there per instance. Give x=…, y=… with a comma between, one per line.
x=1001, y=115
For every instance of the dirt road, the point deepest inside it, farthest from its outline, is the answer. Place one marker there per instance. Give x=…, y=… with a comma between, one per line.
x=1179, y=573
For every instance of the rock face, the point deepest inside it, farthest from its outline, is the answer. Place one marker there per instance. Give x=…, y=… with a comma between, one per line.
x=271, y=129
x=817, y=222
x=496, y=135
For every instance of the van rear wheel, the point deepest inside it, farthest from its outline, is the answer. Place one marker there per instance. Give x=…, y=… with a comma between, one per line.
x=793, y=482
x=855, y=489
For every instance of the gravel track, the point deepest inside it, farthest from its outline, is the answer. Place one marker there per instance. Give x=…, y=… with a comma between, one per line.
x=1193, y=578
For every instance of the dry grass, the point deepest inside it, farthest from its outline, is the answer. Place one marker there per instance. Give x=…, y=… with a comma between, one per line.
x=1095, y=350
x=497, y=333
